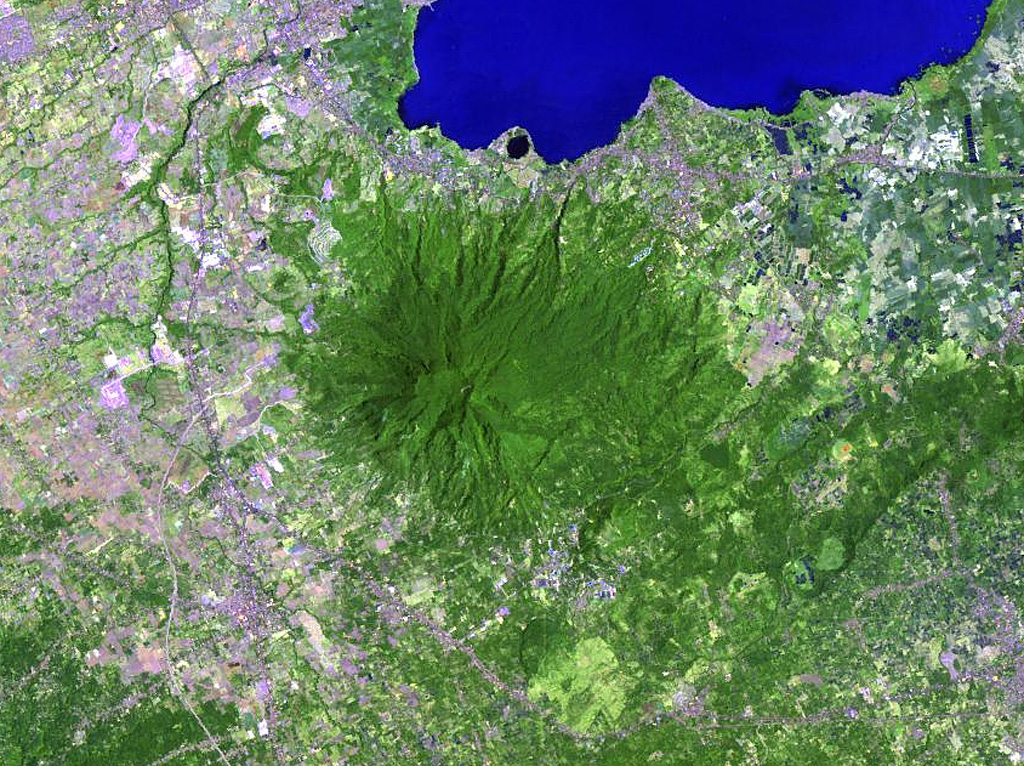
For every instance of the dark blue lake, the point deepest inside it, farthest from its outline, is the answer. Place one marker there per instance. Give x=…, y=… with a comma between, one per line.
x=571, y=72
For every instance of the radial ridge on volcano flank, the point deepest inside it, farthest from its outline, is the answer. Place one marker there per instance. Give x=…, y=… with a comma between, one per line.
x=501, y=363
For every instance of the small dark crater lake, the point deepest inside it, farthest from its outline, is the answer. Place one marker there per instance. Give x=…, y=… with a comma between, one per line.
x=571, y=72
x=518, y=147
